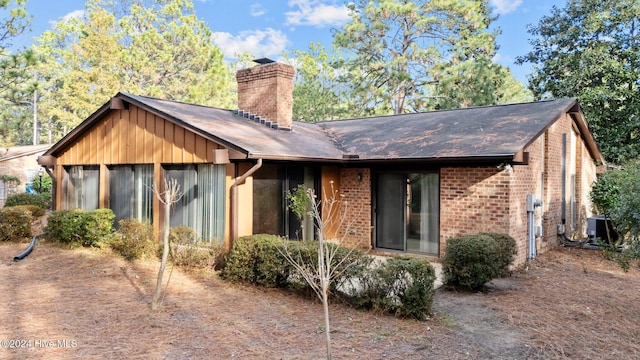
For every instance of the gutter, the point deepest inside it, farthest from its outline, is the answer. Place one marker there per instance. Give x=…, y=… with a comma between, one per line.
x=233, y=233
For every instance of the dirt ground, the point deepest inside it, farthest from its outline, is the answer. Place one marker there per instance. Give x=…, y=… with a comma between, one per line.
x=89, y=304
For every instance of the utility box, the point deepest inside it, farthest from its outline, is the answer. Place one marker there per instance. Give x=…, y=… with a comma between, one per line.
x=597, y=229
x=533, y=202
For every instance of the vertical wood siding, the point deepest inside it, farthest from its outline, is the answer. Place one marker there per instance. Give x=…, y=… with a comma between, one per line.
x=136, y=136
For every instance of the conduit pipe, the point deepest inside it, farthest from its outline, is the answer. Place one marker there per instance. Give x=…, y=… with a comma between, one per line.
x=532, y=204
x=27, y=251
x=234, y=200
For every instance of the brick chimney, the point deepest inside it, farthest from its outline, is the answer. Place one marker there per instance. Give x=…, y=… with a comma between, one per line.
x=267, y=90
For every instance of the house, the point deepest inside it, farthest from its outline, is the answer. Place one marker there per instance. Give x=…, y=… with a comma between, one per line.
x=19, y=162
x=411, y=181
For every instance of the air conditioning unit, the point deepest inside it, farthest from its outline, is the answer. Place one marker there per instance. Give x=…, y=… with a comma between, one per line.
x=597, y=229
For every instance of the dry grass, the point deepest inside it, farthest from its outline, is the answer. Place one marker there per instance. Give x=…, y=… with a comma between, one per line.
x=570, y=304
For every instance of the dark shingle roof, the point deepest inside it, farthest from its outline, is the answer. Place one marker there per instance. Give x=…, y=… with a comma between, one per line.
x=471, y=132
x=480, y=132
x=257, y=140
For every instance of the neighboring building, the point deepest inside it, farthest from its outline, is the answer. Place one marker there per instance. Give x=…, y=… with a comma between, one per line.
x=19, y=162
x=411, y=181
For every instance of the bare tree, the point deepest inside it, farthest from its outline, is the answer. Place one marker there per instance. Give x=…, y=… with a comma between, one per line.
x=330, y=265
x=168, y=197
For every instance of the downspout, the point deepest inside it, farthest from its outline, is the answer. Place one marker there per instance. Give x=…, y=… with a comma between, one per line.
x=233, y=233
x=48, y=162
x=54, y=184
x=562, y=229
x=563, y=216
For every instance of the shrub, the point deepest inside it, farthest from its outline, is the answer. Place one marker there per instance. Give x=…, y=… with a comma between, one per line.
x=80, y=227
x=259, y=259
x=66, y=226
x=402, y=286
x=256, y=259
x=188, y=250
x=97, y=224
x=134, y=239
x=15, y=223
x=505, y=250
x=39, y=200
x=471, y=261
x=35, y=210
x=348, y=264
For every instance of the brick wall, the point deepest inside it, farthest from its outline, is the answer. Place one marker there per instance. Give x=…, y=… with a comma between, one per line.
x=355, y=186
x=472, y=199
x=267, y=90
x=525, y=180
x=488, y=199
x=585, y=176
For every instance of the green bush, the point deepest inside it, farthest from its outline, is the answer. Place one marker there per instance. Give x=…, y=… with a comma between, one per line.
x=15, y=223
x=134, y=239
x=402, y=286
x=348, y=264
x=471, y=261
x=80, y=227
x=35, y=210
x=505, y=251
x=66, y=226
x=97, y=224
x=189, y=251
x=256, y=259
x=39, y=200
x=259, y=259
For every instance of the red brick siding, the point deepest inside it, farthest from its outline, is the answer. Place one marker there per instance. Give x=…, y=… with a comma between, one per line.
x=267, y=90
x=472, y=200
x=355, y=185
x=488, y=199
x=525, y=180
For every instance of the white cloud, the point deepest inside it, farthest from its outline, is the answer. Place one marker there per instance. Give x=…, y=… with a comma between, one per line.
x=502, y=59
x=316, y=13
x=257, y=10
x=259, y=43
x=73, y=14
x=505, y=6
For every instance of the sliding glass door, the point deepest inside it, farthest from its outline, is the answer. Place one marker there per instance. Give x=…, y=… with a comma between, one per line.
x=407, y=212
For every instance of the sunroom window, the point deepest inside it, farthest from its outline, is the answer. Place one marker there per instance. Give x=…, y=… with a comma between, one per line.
x=203, y=197
x=80, y=187
x=131, y=192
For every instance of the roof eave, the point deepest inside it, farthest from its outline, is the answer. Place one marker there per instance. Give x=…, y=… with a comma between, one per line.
x=87, y=123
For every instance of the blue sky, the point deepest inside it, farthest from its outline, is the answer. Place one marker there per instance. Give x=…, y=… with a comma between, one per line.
x=269, y=27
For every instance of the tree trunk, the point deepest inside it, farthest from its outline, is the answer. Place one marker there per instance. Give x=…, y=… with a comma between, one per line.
x=327, y=329
x=323, y=272
x=165, y=251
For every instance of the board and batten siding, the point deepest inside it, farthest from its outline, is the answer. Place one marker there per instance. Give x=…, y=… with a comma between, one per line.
x=135, y=136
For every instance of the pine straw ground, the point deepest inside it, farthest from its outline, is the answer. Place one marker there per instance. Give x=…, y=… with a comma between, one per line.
x=568, y=304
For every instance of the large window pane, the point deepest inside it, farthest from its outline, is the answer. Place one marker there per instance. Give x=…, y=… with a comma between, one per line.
x=131, y=192
x=268, y=201
x=271, y=213
x=202, y=204
x=81, y=187
x=423, y=213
